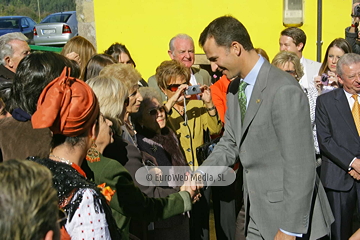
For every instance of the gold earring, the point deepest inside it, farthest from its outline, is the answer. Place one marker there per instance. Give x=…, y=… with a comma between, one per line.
x=93, y=155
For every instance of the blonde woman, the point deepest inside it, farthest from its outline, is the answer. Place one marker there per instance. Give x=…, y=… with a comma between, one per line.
x=80, y=50
x=129, y=77
x=128, y=201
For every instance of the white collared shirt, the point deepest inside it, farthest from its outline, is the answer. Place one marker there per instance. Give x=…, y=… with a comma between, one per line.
x=304, y=80
x=350, y=99
x=351, y=102
x=193, y=80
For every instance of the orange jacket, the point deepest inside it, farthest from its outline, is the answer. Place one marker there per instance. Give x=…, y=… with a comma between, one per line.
x=218, y=94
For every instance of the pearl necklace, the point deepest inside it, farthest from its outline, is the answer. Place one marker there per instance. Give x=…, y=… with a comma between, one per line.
x=60, y=159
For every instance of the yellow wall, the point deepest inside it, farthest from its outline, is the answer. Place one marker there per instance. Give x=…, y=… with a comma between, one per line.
x=146, y=26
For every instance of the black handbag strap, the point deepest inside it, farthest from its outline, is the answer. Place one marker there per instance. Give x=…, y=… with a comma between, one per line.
x=206, y=137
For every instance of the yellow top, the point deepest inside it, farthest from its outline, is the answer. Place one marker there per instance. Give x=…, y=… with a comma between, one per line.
x=191, y=135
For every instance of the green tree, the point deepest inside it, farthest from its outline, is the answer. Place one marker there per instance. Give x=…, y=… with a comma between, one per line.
x=30, y=7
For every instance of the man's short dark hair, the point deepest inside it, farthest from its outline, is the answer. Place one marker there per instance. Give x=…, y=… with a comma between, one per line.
x=226, y=30
x=296, y=34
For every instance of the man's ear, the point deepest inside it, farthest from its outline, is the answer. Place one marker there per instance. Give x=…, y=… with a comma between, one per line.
x=49, y=235
x=171, y=54
x=300, y=47
x=236, y=48
x=340, y=80
x=8, y=62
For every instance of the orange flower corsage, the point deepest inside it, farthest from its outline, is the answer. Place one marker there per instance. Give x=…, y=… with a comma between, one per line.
x=106, y=191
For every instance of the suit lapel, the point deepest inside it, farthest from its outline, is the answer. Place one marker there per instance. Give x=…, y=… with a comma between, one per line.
x=342, y=106
x=256, y=96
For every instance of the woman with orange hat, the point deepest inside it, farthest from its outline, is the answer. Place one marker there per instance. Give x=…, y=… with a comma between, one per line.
x=70, y=109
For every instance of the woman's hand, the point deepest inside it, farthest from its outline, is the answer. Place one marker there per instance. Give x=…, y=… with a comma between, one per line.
x=187, y=186
x=318, y=83
x=206, y=97
x=333, y=79
x=206, y=94
x=74, y=56
x=177, y=97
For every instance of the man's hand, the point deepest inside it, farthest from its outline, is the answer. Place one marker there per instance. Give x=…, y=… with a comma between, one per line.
x=282, y=236
x=355, y=19
x=353, y=12
x=194, y=193
x=196, y=182
x=356, y=165
x=354, y=174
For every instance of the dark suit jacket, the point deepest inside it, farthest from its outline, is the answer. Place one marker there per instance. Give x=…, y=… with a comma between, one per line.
x=275, y=147
x=338, y=138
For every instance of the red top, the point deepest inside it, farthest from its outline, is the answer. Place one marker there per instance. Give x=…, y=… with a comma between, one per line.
x=218, y=94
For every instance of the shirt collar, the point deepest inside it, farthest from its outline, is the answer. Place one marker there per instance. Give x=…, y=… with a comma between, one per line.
x=250, y=79
x=302, y=59
x=348, y=95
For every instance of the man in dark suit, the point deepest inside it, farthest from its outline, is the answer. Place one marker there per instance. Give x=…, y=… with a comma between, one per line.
x=337, y=115
x=267, y=126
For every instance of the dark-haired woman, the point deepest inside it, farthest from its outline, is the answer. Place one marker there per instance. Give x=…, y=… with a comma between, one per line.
x=122, y=55
x=69, y=108
x=327, y=79
x=154, y=138
x=96, y=64
x=34, y=72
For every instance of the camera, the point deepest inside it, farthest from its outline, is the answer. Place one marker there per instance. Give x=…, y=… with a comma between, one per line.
x=193, y=90
x=325, y=79
x=356, y=11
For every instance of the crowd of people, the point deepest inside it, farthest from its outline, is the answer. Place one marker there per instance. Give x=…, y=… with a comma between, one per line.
x=77, y=127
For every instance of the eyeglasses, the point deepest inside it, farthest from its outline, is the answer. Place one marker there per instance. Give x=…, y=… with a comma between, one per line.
x=154, y=111
x=174, y=87
x=62, y=217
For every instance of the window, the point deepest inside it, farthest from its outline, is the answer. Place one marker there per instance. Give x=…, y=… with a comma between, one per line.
x=56, y=18
x=24, y=23
x=293, y=13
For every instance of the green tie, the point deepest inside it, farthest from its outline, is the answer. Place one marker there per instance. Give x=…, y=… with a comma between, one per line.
x=242, y=99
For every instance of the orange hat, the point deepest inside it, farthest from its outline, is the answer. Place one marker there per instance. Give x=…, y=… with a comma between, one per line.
x=67, y=106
